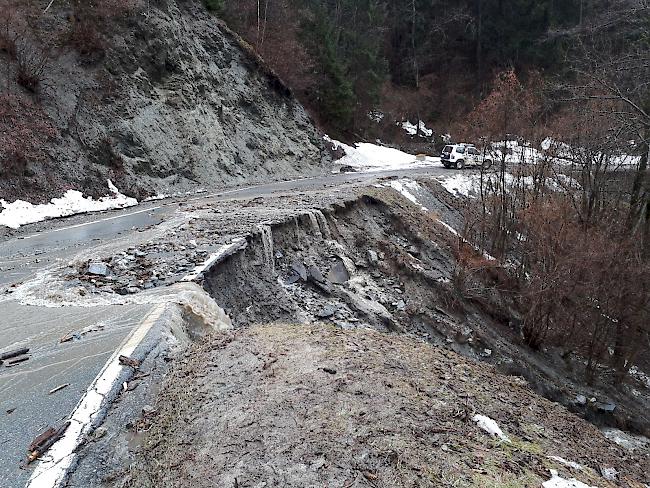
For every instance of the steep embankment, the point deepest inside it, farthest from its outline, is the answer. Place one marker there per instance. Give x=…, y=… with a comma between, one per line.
x=156, y=96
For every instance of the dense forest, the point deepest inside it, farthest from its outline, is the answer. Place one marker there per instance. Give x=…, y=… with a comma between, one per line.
x=433, y=59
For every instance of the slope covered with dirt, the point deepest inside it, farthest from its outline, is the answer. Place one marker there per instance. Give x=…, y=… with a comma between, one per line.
x=283, y=405
x=156, y=96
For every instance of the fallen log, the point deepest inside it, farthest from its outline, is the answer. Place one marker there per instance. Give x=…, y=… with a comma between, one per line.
x=14, y=353
x=49, y=442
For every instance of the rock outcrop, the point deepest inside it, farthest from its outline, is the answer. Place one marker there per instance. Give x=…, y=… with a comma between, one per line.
x=172, y=101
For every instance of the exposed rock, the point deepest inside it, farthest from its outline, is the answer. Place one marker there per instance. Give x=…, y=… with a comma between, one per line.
x=98, y=269
x=327, y=312
x=606, y=407
x=174, y=101
x=372, y=257
x=338, y=273
x=315, y=274
x=300, y=269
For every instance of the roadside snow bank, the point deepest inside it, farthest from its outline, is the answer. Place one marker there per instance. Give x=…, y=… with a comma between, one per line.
x=72, y=202
x=490, y=426
x=559, y=482
x=372, y=157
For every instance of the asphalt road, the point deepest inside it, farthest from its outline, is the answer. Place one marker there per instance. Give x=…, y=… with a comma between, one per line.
x=26, y=255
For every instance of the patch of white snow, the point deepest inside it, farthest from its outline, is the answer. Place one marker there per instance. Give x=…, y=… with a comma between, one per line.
x=406, y=188
x=374, y=157
x=72, y=202
x=412, y=129
x=490, y=426
x=569, y=464
x=557, y=481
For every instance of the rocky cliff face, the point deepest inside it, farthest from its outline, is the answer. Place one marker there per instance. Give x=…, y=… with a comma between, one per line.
x=173, y=101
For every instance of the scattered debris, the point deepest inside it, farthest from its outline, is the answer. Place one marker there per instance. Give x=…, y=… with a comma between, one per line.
x=299, y=268
x=66, y=338
x=338, y=273
x=327, y=311
x=606, y=407
x=58, y=388
x=372, y=257
x=41, y=438
x=148, y=410
x=127, y=361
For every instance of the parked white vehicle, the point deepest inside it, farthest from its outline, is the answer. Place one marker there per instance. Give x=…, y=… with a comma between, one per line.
x=463, y=155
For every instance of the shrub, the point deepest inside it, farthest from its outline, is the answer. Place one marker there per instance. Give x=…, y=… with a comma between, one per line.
x=24, y=128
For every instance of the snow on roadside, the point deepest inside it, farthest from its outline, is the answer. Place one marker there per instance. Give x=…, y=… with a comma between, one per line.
x=557, y=481
x=458, y=184
x=72, y=202
x=490, y=426
x=412, y=129
x=372, y=157
x=468, y=184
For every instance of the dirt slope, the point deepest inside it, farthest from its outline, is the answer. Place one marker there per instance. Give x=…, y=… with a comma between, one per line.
x=282, y=405
x=167, y=99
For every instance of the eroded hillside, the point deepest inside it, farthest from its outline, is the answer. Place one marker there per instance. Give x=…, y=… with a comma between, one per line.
x=156, y=96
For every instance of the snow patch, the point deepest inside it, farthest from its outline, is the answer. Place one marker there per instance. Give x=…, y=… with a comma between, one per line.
x=626, y=440
x=490, y=426
x=458, y=184
x=569, y=464
x=640, y=376
x=406, y=188
x=557, y=481
x=72, y=202
x=469, y=185
x=412, y=129
x=373, y=157
x=376, y=116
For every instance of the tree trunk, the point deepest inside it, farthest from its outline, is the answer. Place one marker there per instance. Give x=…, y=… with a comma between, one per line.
x=416, y=69
x=637, y=202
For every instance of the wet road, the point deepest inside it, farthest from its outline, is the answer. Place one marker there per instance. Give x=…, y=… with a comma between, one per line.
x=34, y=252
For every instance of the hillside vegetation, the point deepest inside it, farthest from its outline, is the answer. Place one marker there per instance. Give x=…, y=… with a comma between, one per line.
x=428, y=59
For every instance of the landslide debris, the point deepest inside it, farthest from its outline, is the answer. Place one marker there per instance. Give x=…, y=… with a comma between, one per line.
x=297, y=405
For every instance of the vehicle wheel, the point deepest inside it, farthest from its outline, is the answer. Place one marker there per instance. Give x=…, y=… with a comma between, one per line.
x=460, y=164
x=487, y=164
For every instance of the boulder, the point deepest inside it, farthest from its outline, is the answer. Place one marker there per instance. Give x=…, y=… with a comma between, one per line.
x=98, y=269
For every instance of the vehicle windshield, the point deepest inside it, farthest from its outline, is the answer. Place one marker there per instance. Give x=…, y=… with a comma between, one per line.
x=447, y=149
